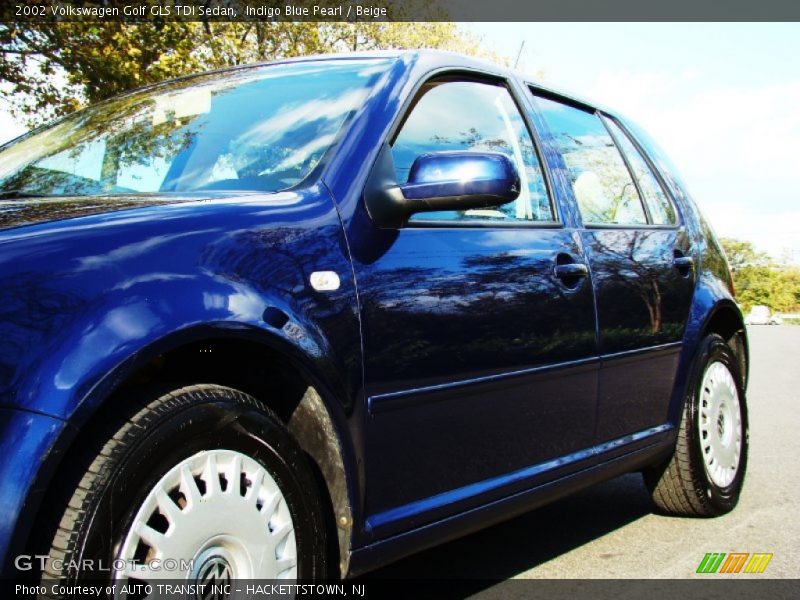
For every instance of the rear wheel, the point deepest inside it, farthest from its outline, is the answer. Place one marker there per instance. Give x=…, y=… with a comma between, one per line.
x=704, y=476
x=202, y=483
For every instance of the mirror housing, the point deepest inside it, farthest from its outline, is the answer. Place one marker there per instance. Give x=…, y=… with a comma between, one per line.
x=439, y=181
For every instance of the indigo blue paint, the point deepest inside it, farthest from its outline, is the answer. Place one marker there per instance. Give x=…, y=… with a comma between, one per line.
x=442, y=174
x=482, y=487
x=499, y=375
x=26, y=439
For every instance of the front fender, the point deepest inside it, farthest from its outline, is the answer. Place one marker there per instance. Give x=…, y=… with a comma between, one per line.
x=131, y=329
x=83, y=301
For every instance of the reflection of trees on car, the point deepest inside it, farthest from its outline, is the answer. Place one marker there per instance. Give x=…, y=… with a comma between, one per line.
x=206, y=132
x=623, y=262
x=123, y=129
x=604, y=188
x=480, y=117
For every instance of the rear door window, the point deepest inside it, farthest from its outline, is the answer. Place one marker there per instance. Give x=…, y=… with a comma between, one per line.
x=662, y=212
x=603, y=186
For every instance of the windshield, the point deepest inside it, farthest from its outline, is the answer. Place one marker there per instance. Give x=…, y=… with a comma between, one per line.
x=262, y=129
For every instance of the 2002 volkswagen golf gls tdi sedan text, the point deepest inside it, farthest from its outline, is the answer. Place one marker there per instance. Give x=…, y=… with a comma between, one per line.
x=298, y=320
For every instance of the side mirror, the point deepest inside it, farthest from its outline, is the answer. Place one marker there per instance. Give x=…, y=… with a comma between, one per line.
x=440, y=181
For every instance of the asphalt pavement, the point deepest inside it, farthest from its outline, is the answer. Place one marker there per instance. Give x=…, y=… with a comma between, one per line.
x=610, y=531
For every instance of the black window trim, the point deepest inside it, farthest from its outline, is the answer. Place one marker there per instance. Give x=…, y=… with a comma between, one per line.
x=535, y=90
x=648, y=217
x=478, y=76
x=653, y=169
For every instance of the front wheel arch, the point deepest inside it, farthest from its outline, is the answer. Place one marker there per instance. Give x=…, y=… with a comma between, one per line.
x=316, y=423
x=131, y=450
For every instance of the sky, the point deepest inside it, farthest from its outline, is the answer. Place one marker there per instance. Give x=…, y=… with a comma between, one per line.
x=722, y=99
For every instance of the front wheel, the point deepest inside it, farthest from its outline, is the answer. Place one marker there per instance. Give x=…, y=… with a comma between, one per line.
x=704, y=476
x=202, y=483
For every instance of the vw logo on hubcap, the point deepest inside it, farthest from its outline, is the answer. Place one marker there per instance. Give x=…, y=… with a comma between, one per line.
x=214, y=577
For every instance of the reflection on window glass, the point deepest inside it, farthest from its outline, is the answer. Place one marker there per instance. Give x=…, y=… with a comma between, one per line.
x=461, y=115
x=602, y=183
x=260, y=129
x=667, y=169
x=85, y=161
x=661, y=209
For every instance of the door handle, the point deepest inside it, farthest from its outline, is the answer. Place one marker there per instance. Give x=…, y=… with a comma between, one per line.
x=571, y=270
x=569, y=273
x=684, y=264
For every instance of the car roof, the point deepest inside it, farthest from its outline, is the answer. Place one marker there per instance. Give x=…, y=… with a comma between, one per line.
x=433, y=58
x=438, y=59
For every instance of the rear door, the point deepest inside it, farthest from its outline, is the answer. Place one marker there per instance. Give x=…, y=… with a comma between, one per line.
x=641, y=266
x=480, y=351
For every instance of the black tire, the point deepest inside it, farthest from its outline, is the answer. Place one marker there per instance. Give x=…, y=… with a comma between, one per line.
x=681, y=486
x=131, y=449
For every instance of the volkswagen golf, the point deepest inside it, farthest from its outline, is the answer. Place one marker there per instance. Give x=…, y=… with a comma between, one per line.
x=300, y=319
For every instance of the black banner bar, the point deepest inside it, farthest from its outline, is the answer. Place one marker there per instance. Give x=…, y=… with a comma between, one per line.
x=399, y=10
x=710, y=587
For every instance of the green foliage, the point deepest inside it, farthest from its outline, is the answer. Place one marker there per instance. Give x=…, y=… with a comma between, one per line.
x=759, y=280
x=743, y=254
x=51, y=69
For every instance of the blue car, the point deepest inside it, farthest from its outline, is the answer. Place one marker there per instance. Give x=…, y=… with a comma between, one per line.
x=301, y=319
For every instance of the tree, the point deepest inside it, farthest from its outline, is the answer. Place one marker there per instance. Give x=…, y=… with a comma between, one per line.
x=51, y=69
x=741, y=254
x=759, y=280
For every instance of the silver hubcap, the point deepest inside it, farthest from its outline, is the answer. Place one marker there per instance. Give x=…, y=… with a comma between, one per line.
x=720, y=424
x=214, y=516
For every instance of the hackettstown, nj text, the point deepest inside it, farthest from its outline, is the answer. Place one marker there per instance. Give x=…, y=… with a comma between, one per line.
x=301, y=589
x=198, y=590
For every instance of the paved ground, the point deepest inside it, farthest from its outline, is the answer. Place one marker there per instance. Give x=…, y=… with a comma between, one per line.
x=609, y=531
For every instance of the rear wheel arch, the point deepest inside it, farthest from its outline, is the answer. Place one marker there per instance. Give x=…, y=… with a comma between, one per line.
x=282, y=382
x=726, y=321
x=705, y=472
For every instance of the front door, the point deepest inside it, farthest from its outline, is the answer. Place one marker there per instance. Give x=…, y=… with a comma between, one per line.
x=480, y=354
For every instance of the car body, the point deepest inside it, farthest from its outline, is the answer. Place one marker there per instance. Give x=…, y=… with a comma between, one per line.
x=761, y=315
x=444, y=370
